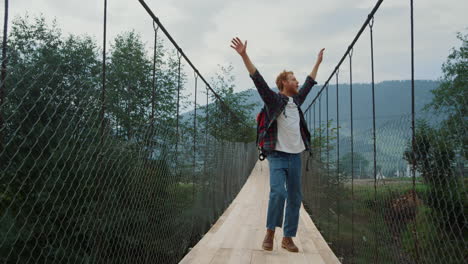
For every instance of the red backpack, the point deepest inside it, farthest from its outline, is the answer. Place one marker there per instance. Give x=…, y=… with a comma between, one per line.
x=261, y=127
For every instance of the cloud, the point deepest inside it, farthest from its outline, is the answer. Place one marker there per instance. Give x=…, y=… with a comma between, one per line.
x=281, y=34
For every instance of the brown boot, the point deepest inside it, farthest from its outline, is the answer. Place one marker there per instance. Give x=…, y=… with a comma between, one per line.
x=288, y=244
x=268, y=240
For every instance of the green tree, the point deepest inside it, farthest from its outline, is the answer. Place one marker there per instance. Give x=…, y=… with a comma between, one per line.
x=129, y=85
x=56, y=177
x=130, y=96
x=51, y=88
x=232, y=120
x=320, y=144
x=433, y=155
x=438, y=148
x=450, y=97
x=51, y=111
x=360, y=164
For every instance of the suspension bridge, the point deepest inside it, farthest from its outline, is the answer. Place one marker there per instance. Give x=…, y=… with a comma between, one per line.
x=98, y=164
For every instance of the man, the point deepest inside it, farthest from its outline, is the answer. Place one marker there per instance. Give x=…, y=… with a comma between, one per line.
x=285, y=138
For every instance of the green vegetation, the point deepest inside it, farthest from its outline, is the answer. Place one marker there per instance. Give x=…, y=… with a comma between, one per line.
x=75, y=187
x=390, y=221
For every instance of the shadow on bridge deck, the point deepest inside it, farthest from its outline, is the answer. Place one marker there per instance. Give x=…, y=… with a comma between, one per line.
x=237, y=235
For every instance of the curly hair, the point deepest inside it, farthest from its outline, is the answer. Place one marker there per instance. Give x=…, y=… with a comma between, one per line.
x=282, y=77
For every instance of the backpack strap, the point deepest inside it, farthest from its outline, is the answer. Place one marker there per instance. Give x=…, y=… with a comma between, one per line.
x=307, y=162
x=262, y=155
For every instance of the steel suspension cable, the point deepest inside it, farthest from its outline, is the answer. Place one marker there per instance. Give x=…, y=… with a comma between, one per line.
x=369, y=17
x=352, y=148
x=371, y=25
x=182, y=54
x=3, y=75
x=153, y=87
x=338, y=155
x=413, y=128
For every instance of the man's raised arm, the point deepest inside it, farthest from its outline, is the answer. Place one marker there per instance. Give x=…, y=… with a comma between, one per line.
x=313, y=74
x=242, y=50
x=310, y=80
x=267, y=95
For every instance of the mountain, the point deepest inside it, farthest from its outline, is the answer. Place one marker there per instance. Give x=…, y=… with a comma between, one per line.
x=393, y=117
x=392, y=101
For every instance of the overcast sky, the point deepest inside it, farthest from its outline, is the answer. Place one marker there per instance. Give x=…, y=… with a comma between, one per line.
x=281, y=34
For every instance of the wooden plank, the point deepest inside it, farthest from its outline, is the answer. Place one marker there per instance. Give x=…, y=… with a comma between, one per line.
x=231, y=256
x=237, y=235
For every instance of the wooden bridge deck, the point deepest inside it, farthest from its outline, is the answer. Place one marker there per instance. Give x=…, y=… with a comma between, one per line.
x=237, y=235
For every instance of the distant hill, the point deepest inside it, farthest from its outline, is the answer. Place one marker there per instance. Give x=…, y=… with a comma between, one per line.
x=392, y=99
x=393, y=118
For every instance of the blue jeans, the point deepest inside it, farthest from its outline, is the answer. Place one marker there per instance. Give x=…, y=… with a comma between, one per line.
x=285, y=184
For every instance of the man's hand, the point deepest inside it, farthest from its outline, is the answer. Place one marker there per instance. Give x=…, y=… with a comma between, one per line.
x=239, y=47
x=320, y=56
x=313, y=74
x=242, y=50
x=268, y=95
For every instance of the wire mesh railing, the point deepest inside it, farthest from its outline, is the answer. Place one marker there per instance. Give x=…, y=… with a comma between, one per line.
x=98, y=164
x=389, y=186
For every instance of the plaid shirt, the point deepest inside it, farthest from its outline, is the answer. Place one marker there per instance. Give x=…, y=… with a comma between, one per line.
x=275, y=104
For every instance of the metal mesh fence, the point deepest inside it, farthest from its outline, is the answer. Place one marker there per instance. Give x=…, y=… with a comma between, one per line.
x=387, y=180
x=105, y=168
x=378, y=215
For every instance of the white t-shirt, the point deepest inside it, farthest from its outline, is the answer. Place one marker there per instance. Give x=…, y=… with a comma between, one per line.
x=289, y=132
